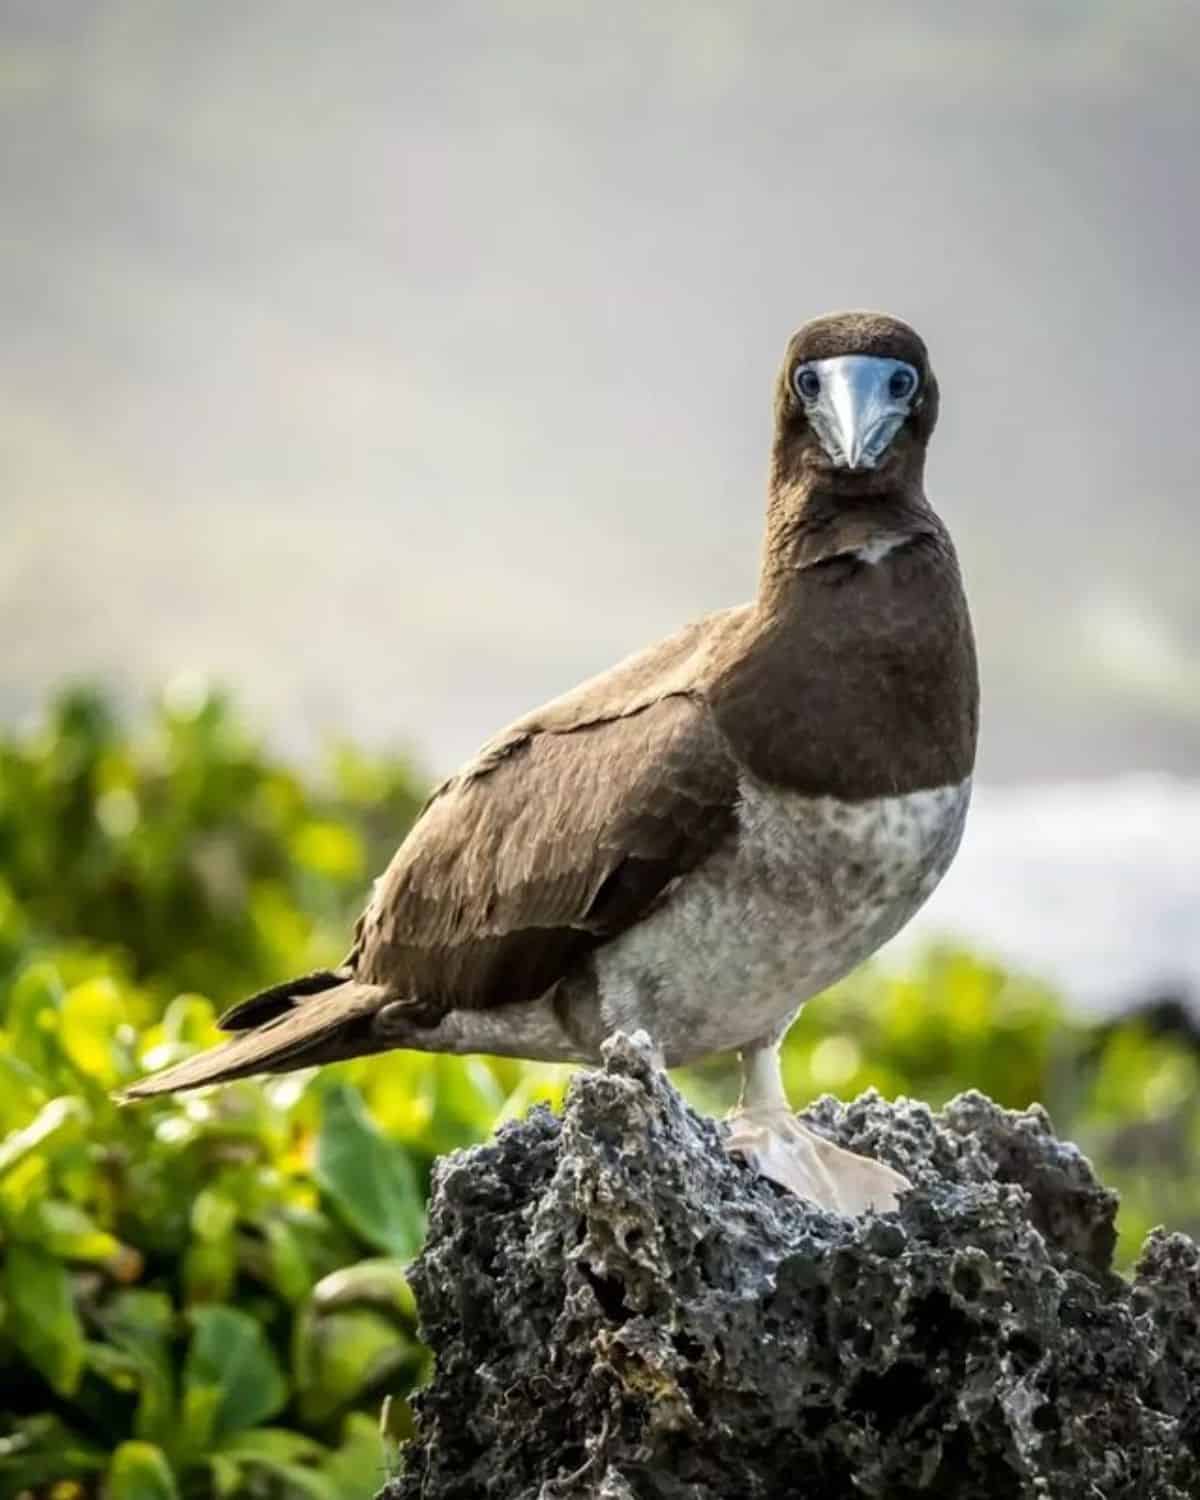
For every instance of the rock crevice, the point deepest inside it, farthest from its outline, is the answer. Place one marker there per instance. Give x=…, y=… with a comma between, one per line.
x=619, y=1310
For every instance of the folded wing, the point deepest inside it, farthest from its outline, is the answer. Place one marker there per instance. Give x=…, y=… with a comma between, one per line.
x=515, y=871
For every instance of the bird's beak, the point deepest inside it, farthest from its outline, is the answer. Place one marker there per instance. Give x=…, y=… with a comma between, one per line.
x=855, y=415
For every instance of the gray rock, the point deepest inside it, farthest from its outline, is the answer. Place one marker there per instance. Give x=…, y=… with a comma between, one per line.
x=619, y=1310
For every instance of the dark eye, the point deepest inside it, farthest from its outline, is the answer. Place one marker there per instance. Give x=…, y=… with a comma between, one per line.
x=807, y=383
x=902, y=384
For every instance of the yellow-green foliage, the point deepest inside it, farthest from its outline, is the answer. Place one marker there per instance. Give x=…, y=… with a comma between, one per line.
x=207, y=1296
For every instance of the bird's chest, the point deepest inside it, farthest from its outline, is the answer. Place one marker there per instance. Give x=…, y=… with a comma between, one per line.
x=808, y=888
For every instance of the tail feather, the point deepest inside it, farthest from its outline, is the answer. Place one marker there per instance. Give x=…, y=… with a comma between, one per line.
x=279, y=999
x=324, y=1028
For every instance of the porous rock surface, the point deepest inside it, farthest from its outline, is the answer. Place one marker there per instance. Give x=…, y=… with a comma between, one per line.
x=620, y=1311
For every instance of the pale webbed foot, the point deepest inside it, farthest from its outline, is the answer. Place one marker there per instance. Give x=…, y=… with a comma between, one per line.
x=775, y=1142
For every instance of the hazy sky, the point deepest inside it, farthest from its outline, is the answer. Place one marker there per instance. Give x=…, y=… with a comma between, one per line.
x=402, y=363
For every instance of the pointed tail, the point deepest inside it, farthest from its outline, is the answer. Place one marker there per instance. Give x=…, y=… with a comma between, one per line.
x=304, y=1029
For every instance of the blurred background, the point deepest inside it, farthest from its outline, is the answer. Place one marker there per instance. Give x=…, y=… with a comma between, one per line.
x=372, y=373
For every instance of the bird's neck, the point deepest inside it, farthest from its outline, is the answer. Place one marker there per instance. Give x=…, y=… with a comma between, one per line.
x=808, y=525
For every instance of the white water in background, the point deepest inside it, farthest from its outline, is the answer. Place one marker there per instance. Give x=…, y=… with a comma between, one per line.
x=1093, y=886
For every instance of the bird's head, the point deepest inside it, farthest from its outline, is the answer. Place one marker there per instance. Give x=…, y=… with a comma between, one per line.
x=855, y=404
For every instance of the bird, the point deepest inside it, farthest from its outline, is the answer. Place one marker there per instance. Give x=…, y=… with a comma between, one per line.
x=697, y=841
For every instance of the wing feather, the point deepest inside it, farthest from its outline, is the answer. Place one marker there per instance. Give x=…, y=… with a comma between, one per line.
x=512, y=875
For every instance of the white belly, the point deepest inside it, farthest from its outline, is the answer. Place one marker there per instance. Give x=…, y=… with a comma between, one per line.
x=809, y=889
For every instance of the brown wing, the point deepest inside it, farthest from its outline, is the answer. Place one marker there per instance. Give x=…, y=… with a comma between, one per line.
x=534, y=855
x=551, y=843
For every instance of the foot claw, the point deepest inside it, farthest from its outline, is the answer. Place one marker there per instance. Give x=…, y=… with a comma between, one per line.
x=781, y=1148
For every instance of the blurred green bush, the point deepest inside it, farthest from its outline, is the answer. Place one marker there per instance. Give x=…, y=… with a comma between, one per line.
x=206, y=1296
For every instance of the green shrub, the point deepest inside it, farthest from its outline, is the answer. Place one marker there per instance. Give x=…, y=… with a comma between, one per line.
x=206, y=1296
x=218, y=1281
x=204, y=862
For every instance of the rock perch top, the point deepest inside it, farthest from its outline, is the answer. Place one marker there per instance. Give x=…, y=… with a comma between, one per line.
x=620, y=1310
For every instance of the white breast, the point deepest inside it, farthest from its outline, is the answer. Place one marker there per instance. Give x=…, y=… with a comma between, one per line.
x=810, y=888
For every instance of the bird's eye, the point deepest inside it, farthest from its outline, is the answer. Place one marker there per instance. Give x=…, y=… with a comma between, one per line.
x=902, y=384
x=807, y=383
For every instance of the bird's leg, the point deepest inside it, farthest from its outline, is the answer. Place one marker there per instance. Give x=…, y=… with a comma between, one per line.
x=764, y=1130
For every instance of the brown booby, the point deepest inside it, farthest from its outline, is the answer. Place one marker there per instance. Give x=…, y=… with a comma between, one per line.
x=695, y=842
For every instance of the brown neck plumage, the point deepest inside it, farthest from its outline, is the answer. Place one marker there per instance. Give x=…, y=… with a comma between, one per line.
x=812, y=518
x=862, y=679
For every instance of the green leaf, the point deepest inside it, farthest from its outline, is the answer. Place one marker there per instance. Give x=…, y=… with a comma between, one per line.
x=230, y=1352
x=32, y=1015
x=21, y=1089
x=338, y=1355
x=380, y=1281
x=287, y=1263
x=214, y=1215
x=290, y=1457
x=120, y=1369
x=209, y=1270
x=198, y=1412
x=226, y=1475
x=41, y=1450
x=296, y=1480
x=140, y=1471
x=140, y=1319
x=359, y=1466
x=145, y=1371
x=371, y=1183
x=334, y=850
x=397, y=1421
x=60, y=1117
x=42, y=1320
x=91, y=1013
x=63, y=1229
x=188, y=1022
x=278, y=1444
